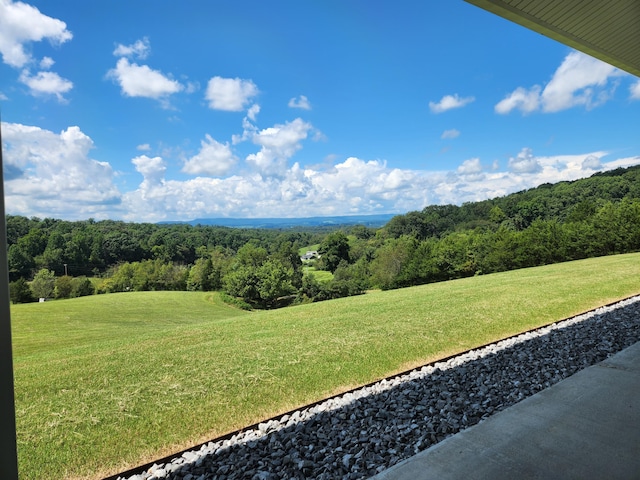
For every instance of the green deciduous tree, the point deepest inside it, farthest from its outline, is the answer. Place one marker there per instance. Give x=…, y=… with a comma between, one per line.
x=200, y=275
x=260, y=279
x=148, y=275
x=287, y=253
x=496, y=215
x=274, y=282
x=43, y=283
x=310, y=289
x=333, y=250
x=20, y=263
x=242, y=282
x=251, y=255
x=348, y=280
x=390, y=260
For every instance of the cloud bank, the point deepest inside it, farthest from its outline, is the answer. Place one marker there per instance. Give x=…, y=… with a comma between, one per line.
x=52, y=174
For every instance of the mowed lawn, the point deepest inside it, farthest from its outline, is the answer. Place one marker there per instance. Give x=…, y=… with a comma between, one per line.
x=107, y=382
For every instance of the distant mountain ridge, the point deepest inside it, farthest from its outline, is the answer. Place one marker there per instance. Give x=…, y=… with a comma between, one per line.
x=372, y=221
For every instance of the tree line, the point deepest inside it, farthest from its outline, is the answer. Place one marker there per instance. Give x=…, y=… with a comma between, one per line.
x=261, y=268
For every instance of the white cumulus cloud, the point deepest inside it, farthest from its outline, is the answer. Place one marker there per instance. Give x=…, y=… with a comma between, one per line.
x=230, y=94
x=522, y=99
x=349, y=187
x=141, y=81
x=471, y=170
x=46, y=83
x=279, y=143
x=46, y=63
x=449, y=102
x=591, y=162
x=353, y=186
x=524, y=162
x=151, y=168
x=253, y=111
x=52, y=174
x=301, y=102
x=214, y=159
x=21, y=24
x=139, y=49
x=580, y=80
x=525, y=171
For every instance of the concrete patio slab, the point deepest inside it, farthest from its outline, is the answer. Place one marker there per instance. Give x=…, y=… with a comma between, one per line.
x=585, y=427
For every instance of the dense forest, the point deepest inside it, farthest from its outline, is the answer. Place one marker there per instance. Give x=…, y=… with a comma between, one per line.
x=596, y=216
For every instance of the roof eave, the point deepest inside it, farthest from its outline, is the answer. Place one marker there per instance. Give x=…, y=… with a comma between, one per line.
x=508, y=12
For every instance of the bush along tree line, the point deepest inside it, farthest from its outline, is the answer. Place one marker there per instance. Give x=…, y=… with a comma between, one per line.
x=262, y=268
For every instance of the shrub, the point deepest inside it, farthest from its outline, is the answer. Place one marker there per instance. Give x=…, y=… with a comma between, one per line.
x=236, y=302
x=19, y=292
x=63, y=287
x=82, y=287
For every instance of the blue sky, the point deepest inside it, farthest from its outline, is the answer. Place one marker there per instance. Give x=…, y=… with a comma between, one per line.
x=160, y=110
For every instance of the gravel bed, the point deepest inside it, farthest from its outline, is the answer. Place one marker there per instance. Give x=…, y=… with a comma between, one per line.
x=367, y=431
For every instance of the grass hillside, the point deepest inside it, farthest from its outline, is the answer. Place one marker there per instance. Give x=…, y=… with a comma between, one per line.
x=109, y=381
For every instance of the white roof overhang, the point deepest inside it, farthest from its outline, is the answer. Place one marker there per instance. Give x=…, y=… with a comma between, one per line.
x=605, y=29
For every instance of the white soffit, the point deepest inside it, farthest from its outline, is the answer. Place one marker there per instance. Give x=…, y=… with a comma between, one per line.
x=605, y=29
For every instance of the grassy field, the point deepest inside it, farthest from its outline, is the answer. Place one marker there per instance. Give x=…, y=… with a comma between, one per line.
x=110, y=381
x=303, y=250
x=322, y=276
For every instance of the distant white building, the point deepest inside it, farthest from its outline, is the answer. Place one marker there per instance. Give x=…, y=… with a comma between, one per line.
x=309, y=255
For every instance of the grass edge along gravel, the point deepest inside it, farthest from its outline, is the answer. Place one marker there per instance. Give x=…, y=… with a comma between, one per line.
x=107, y=382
